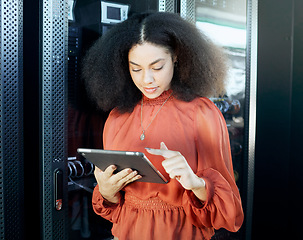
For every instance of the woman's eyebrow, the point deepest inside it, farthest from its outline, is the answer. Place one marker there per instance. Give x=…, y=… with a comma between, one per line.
x=154, y=62
x=158, y=60
x=134, y=63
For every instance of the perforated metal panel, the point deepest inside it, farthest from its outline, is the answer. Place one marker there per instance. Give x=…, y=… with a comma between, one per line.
x=167, y=6
x=187, y=10
x=54, y=113
x=11, y=126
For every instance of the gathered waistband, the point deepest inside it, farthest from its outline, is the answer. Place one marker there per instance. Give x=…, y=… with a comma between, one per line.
x=149, y=204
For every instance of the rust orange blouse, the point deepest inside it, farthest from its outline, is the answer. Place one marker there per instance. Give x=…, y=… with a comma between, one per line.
x=167, y=211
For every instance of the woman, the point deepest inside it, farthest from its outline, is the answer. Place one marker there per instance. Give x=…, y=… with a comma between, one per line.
x=156, y=71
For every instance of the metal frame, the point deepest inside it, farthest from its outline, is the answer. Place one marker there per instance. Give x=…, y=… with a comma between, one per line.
x=54, y=114
x=250, y=109
x=11, y=116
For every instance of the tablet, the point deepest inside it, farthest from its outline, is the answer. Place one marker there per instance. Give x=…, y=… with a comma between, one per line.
x=134, y=160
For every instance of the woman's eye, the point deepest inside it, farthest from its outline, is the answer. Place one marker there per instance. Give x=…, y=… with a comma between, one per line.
x=158, y=68
x=136, y=70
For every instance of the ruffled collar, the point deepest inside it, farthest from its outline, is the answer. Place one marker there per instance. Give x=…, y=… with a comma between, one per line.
x=159, y=100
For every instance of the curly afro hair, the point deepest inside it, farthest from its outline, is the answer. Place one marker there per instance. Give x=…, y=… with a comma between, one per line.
x=200, y=70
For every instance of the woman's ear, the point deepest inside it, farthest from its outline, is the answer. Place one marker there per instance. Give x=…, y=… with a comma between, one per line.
x=175, y=60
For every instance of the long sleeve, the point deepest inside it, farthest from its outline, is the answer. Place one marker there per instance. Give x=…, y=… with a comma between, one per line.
x=223, y=208
x=110, y=212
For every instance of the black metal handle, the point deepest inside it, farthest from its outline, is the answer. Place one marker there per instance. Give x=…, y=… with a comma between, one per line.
x=58, y=176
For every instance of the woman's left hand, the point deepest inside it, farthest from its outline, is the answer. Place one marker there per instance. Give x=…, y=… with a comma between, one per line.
x=177, y=167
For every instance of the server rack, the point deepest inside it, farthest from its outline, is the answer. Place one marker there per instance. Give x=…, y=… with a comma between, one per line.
x=11, y=115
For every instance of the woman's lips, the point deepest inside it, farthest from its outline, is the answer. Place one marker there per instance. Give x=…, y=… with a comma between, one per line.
x=150, y=90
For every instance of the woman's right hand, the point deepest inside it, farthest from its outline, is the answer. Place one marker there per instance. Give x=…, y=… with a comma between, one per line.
x=110, y=184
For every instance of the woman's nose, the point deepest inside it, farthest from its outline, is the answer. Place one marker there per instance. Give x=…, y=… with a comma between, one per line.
x=148, y=77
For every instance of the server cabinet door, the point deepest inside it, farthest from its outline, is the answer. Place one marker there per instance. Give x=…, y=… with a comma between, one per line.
x=53, y=57
x=11, y=125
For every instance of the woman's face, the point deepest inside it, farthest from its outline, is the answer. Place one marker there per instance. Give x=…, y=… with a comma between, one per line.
x=151, y=68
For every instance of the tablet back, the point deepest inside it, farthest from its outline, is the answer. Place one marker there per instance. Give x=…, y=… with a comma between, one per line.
x=134, y=160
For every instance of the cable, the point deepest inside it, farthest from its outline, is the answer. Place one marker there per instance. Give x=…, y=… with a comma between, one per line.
x=81, y=186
